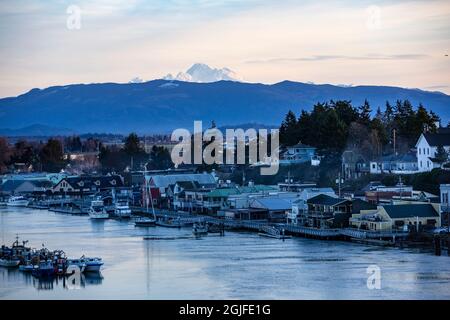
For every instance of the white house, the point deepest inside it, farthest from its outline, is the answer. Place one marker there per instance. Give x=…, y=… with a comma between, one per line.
x=427, y=146
x=396, y=164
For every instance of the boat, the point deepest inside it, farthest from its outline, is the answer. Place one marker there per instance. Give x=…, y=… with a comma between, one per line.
x=76, y=262
x=272, y=232
x=26, y=267
x=44, y=269
x=169, y=223
x=17, y=201
x=92, y=264
x=199, y=229
x=122, y=209
x=9, y=262
x=145, y=222
x=97, y=210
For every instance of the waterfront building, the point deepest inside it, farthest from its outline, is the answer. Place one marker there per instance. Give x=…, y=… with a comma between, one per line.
x=88, y=184
x=427, y=147
x=325, y=211
x=17, y=187
x=162, y=186
x=300, y=206
x=277, y=208
x=397, y=217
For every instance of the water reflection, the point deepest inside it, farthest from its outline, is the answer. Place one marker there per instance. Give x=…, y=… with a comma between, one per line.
x=66, y=283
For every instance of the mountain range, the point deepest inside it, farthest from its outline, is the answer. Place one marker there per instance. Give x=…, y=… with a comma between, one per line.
x=159, y=106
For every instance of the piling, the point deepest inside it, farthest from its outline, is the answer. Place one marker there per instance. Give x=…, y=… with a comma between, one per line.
x=437, y=246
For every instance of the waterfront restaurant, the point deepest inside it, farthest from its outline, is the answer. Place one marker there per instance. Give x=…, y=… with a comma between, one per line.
x=397, y=217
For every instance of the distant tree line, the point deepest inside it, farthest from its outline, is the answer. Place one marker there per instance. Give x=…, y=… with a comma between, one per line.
x=55, y=155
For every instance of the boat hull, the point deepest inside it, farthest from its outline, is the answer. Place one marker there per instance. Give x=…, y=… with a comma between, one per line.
x=21, y=203
x=93, y=267
x=103, y=215
x=9, y=263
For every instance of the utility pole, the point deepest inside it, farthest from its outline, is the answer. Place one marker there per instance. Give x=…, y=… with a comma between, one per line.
x=395, y=151
x=339, y=183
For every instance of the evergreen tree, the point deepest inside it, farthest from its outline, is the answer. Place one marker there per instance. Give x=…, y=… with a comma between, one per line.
x=364, y=113
x=288, y=130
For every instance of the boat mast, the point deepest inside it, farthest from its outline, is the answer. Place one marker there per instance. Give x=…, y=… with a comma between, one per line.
x=150, y=193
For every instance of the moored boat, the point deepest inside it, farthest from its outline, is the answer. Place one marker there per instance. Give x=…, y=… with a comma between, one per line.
x=44, y=269
x=145, y=222
x=92, y=264
x=122, y=209
x=199, y=229
x=76, y=262
x=9, y=262
x=97, y=210
x=17, y=201
x=169, y=223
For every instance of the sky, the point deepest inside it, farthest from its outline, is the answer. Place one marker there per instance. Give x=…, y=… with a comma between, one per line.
x=396, y=43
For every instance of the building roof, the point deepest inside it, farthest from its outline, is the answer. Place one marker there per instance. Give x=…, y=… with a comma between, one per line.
x=272, y=204
x=188, y=185
x=11, y=185
x=164, y=181
x=222, y=192
x=410, y=211
x=301, y=146
x=326, y=200
x=407, y=157
x=358, y=205
x=113, y=181
x=438, y=139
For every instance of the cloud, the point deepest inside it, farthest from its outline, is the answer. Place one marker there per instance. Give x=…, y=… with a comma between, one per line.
x=343, y=57
x=200, y=72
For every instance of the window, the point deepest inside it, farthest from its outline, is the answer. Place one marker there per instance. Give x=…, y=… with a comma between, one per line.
x=428, y=151
x=420, y=151
x=421, y=163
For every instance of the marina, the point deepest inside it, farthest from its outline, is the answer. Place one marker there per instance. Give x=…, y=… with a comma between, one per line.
x=240, y=265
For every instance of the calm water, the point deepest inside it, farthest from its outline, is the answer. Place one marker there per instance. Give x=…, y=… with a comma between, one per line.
x=237, y=266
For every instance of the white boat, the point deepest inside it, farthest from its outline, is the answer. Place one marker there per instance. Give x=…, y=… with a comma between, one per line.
x=145, y=222
x=17, y=201
x=92, y=264
x=97, y=210
x=122, y=209
x=9, y=262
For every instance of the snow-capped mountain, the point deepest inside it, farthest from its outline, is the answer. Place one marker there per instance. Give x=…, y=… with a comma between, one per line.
x=203, y=73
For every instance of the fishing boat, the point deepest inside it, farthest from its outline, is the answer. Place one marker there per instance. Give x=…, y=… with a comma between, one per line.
x=76, y=262
x=97, y=210
x=17, y=201
x=199, y=229
x=92, y=264
x=9, y=262
x=44, y=269
x=26, y=267
x=122, y=208
x=145, y=222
